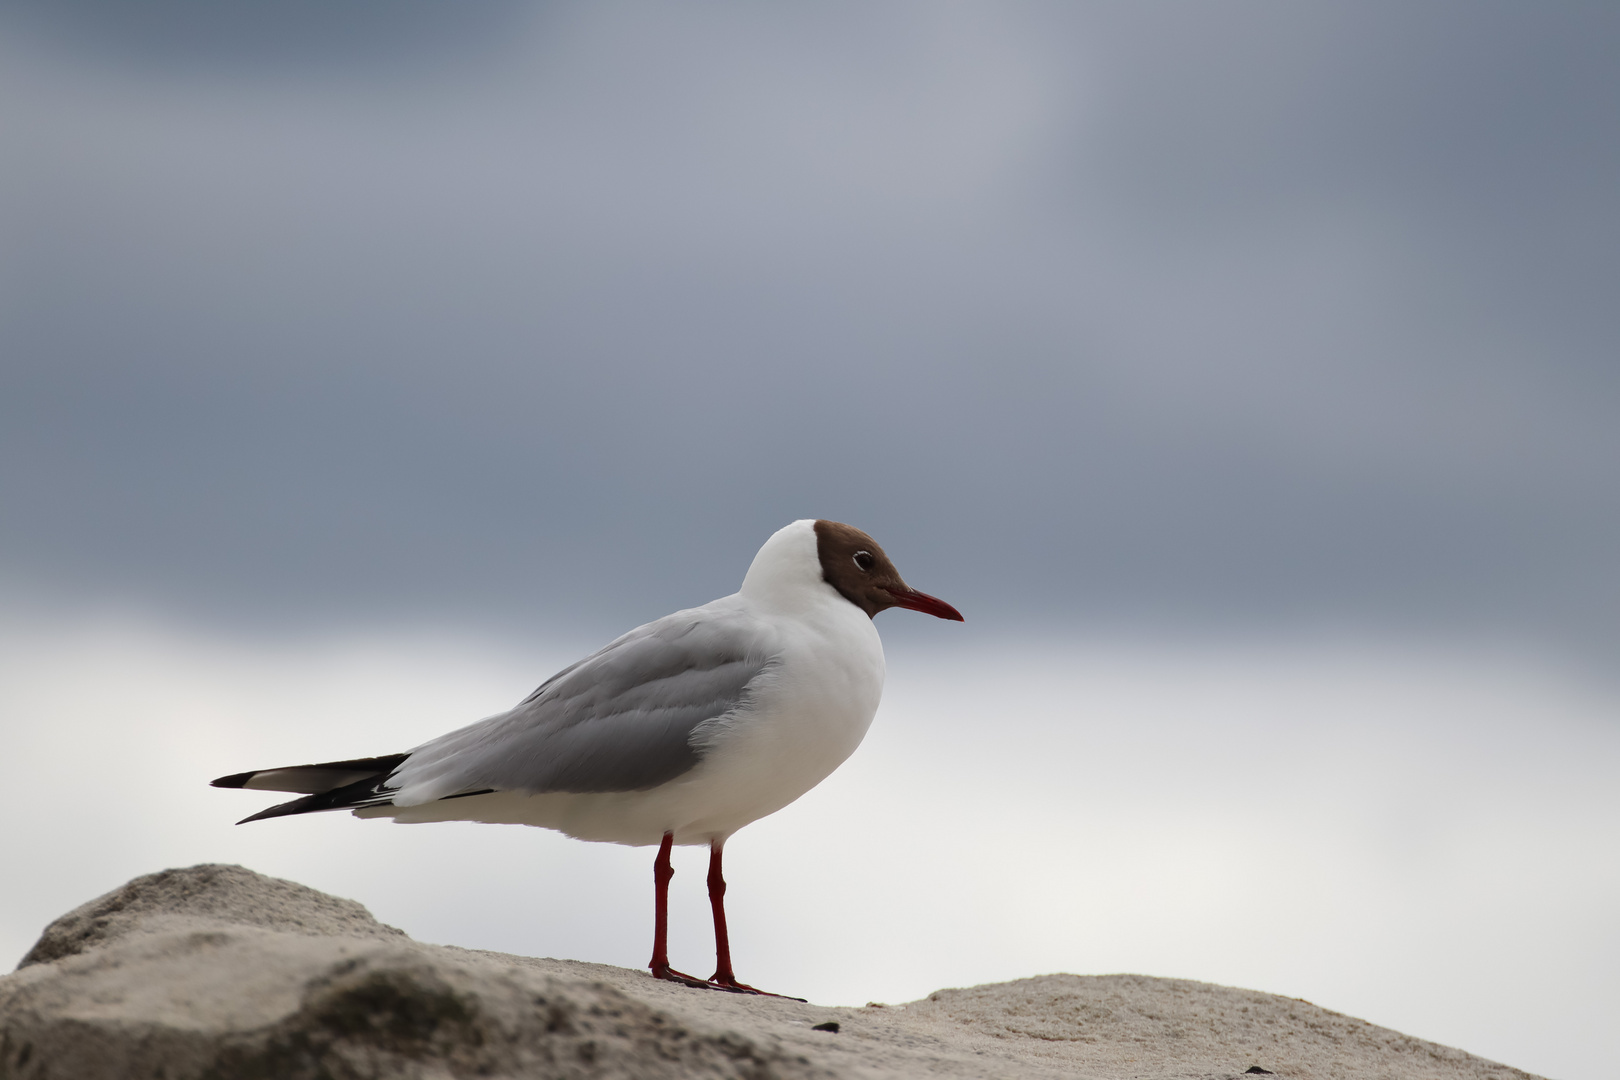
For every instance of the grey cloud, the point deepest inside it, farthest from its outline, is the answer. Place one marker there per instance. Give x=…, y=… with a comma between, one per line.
x=306, y=36
x=1157, y=313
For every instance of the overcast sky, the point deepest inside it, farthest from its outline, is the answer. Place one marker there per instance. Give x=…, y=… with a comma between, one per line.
x=1132, y=324
x=1156, y=313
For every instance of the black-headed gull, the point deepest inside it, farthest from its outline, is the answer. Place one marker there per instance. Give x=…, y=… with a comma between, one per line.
x=680, y=732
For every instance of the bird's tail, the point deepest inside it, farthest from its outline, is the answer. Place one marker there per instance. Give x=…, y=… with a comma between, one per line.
x=331, y=785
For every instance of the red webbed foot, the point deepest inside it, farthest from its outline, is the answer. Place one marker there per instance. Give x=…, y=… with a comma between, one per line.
x=729, y=983
x=669, y=974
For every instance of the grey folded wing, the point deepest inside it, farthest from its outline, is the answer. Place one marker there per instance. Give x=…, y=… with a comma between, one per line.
x=622, y=719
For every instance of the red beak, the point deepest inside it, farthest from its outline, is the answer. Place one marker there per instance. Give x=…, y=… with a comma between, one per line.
x=907, y=597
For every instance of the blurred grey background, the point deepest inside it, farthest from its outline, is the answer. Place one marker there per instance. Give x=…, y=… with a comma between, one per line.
x=1159, y=313
x=1157, y=326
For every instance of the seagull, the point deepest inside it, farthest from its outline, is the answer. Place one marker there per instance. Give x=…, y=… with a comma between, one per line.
x=680, y=732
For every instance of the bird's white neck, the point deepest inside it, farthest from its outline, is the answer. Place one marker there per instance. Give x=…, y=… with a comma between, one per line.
x=786, y=574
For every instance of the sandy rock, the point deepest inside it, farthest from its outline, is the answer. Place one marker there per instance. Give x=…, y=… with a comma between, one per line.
x=204, y=896
x=217, y=973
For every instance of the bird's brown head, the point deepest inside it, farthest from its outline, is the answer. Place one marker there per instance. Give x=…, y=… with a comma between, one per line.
x=856, y=566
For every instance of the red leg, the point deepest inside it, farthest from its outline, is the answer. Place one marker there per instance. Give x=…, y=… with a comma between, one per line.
x=717, y=901
x=662, y=872
x=723, y=977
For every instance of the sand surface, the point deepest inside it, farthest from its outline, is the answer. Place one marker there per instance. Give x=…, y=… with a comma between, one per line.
x=218, y=972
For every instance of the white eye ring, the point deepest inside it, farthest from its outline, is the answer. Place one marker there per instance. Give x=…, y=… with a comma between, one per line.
x=864, y=561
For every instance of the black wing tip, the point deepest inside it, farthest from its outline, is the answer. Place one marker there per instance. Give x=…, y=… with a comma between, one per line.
x=353, y=796
x=296, y=806
x=384, y=763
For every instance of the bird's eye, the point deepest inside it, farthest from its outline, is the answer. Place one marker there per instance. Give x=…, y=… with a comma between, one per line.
x=864, y=561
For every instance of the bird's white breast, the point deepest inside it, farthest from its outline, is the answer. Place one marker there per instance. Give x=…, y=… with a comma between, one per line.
x=811, y=711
